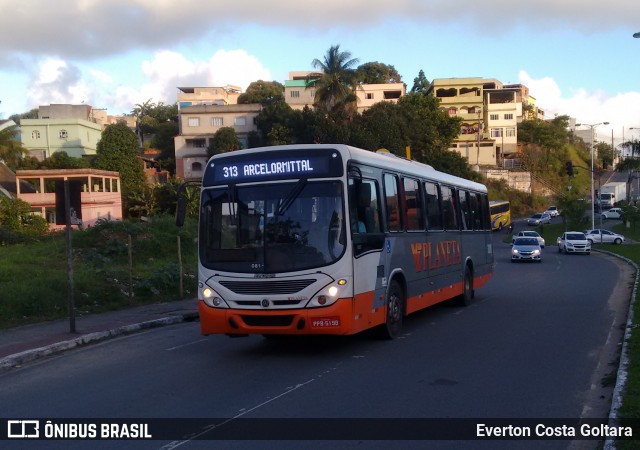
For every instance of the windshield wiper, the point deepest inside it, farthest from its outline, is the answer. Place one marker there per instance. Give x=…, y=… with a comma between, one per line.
x=291, y=196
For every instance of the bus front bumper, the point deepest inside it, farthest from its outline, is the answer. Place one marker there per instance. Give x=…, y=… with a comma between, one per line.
x=334, y=319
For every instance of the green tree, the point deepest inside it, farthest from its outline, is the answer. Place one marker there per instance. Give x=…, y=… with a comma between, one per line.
x=420, y=83
x=163, y=140
x=335, y=82
x=141, y=112
x=224, y=140
x=18, y=223
x=377, y=73
x=263, y=92
x=117, y=150
x=61, y=160
x=604, y=154
x=11, y=149
x=31, y=114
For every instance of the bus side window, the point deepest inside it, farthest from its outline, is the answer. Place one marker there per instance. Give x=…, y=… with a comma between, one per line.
x=414, y=215
x=432, y=201
x=365, y=207
x=464, y=210
x=449, y=208
x=392, y=201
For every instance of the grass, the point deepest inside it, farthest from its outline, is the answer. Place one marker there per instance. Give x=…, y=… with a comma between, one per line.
x=33, y=277
x=630, y=408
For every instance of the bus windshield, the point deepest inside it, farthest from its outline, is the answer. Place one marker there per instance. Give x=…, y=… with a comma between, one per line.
x=272, y=228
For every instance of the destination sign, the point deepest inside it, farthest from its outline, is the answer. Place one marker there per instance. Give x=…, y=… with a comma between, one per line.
x=245, y=168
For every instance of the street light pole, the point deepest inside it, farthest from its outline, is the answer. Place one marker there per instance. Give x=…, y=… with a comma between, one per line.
x=593, y=194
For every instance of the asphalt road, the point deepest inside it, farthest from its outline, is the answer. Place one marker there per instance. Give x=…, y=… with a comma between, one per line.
x=535, y=344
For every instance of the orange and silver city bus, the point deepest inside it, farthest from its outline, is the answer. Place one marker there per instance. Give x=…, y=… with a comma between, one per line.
x=332, y=239
x=500, y=211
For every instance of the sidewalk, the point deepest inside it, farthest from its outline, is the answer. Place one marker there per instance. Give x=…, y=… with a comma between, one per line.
x=27, y=343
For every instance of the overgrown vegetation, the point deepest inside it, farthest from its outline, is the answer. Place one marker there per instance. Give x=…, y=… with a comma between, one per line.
x=33, y=276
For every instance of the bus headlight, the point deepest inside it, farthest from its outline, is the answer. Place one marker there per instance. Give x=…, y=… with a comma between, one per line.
x=211, y=298
x=330, y=293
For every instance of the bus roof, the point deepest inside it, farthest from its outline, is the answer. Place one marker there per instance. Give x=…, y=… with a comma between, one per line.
x=376, y=159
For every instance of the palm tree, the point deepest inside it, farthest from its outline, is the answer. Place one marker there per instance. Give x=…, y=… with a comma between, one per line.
x=11, y=149
x=335, y=82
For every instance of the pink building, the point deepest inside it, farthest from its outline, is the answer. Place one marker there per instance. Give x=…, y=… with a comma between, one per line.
x=100, y=194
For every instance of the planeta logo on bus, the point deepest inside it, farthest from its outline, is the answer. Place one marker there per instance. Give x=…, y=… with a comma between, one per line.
x=432, y=255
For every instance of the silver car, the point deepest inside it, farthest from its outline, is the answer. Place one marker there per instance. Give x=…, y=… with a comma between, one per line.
x=526, y=249
x=602, y=236
x=539, y=219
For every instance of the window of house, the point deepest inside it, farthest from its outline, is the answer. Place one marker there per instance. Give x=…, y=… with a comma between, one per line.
x=494, y=116
x=295, y=94
x=511, y=132
x=496, y=132
x=35, y=134
x=64, y=134
x=194, y=121
x=369, y=95
x=240, y=121
x=508, y=116
x=217, y=121
x=452, y=111
x=196, y=143
x=196, y=166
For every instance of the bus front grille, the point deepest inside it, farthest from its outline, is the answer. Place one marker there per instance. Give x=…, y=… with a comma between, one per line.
x=264, y=287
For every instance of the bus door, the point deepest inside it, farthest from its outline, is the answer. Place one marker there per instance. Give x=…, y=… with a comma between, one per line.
x=368, y=240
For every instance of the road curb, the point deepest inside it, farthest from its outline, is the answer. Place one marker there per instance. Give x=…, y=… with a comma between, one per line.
x=18, y=359
x=623, y=366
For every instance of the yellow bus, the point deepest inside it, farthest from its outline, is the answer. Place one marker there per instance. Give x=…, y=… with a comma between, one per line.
x=500, y=212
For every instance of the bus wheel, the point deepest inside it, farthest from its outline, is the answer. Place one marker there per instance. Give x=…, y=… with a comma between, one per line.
x=395, y=311
x=467, y=289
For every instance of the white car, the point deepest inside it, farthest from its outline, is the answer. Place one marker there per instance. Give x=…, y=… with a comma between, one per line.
x=601, y=236
x=613, y=213
x=530, y=234
x=574, y=242
x=539, y=219
x=553, y=211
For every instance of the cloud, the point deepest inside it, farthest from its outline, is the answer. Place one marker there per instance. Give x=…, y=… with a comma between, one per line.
x=169, y=70
x=589, y=107
x=57, y=82
x=86, y=29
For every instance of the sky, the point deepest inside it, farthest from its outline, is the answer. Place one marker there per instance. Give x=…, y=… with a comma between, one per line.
x=578, y=57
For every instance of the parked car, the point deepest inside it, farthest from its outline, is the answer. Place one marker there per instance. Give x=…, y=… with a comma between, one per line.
x=553, y=211
x=539, y=219
x=601, y=236
x=530, y=234
x=613, y=213
x=526, y=249
x=574, y=242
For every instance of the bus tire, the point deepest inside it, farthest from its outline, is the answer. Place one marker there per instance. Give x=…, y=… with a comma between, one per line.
x=467, y=295
x=395, y=310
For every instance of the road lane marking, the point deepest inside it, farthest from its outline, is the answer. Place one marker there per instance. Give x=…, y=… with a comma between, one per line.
x=185, y=345
x=207, y=429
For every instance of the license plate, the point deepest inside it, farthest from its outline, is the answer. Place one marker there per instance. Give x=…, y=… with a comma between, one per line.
x=325, y=322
